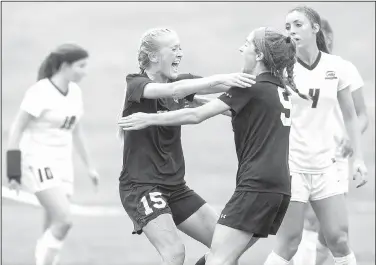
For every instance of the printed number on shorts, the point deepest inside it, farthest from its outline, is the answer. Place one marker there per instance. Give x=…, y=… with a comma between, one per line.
x=68, y=122
x=286, y=103
x=314, y=94
x=155, y=197
x=45, y=174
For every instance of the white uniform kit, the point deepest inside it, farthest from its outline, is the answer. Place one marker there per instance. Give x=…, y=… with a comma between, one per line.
x=312, y=146
x=47, y=143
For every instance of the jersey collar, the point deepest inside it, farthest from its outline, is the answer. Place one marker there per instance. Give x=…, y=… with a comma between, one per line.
x=268, y=77
x=313, y=66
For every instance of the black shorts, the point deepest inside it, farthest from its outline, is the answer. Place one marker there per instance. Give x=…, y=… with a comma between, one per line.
x=145, y=203
x=259, y=213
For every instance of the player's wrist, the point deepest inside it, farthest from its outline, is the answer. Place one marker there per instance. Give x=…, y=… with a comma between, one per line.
x=13, y=161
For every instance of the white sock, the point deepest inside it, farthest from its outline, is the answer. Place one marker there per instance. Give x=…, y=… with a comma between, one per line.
x=348, y=260
x=274, y=259
x=47, y=245
x=306, y=254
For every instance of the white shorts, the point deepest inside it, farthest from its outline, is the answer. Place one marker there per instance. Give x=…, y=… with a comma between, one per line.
x=312, y=187
x=40, y=175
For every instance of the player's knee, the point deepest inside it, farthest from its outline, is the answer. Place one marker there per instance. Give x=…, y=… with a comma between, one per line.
x=173, y=254
x=337, y=242
x=288, y=246
x=64, y=224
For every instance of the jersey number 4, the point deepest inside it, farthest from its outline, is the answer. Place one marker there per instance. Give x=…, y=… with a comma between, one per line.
x=68, y=122
x=286, y=103
x=158, y=202
x=314, y=94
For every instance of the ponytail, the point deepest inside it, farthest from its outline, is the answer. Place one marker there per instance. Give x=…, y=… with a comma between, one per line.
x=321, y=42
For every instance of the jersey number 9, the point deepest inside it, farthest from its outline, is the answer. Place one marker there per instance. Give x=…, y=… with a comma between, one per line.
x=286, y=103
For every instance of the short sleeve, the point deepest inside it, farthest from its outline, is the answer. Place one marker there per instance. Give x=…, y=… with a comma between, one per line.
x=343, y=76
x=187, y=76
x=32, y=102
x=135, y=86
x=356, y=81
x=236, y=98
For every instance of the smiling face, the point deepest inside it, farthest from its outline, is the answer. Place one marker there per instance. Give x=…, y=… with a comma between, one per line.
x=300, y=29
x=169, y=55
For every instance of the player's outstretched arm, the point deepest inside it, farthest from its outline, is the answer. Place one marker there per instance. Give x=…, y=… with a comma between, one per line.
x=199, y=101
x=140, y=120
x=205, y=85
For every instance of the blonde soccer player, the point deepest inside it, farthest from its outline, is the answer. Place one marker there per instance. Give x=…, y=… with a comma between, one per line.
x=324, y=81
x=313, y=250
x=41, y=140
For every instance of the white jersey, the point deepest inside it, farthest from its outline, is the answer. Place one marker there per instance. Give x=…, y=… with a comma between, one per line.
x=49, y=135
x=356, y=83
x=312, y=147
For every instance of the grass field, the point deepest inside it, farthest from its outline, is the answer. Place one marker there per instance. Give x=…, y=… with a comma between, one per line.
x=210, y=34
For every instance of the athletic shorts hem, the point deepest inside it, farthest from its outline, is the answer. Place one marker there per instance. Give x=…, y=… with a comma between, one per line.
x=140, y=223
x=296, y=199
x=327, y=196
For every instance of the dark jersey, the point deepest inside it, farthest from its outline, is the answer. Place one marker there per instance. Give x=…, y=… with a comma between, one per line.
x=261, y=124
x=152, y=155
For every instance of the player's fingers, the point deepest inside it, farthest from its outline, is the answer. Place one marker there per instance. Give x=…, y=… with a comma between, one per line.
x=247, y=80
x=248, y=76
x=362, y=183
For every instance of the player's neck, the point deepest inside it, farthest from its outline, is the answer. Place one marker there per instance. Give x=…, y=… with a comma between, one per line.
x=259, y=69
x=60, y=83
x=309, y=54
x=156, y=76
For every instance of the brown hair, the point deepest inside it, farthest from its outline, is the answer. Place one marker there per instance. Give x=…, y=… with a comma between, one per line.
x=66, y=53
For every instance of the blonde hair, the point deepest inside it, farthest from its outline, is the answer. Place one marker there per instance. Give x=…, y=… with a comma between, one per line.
x=148, y=44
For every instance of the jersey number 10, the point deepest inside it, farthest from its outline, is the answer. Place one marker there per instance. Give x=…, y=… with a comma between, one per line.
x=68, y=122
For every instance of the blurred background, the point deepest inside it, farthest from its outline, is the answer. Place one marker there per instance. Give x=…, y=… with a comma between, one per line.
x=210, y=35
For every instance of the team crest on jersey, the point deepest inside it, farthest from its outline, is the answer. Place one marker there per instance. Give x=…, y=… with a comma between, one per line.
x=330, y=75
x=228, y=95
x=176, y=100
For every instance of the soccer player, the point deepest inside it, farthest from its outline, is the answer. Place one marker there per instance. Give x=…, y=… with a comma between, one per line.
x=40, y=145
x=325, y=80
x=152, y=186
x=261, y=123
x=312, y=249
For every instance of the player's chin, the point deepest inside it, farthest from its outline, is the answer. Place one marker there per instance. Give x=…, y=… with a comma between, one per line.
x=172, y=75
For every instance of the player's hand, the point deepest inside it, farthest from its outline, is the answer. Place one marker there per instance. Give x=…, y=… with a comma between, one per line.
x=14, y=185
x=94, y=176
x=360, y=172
x=237, y=79
x=345, y=148
x=136, y=121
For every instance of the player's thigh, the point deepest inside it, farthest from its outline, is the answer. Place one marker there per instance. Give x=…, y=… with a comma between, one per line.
x=163, y=234
x=290, y=231
x=228, y=244
x=144, y=203
x=56, y=204
x=311, y=222
x=332, y=214
x=327, y=184
x=193, y=215
x=201, y=224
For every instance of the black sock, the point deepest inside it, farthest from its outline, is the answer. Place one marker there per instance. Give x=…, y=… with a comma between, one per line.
x=201, y=261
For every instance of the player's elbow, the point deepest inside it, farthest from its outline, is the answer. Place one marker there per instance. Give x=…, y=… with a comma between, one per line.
x=364, y=121
x=178, y=89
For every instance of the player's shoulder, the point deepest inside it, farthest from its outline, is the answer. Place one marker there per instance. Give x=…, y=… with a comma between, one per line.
x=41, y=86
x=131, y=77
x=332, y=59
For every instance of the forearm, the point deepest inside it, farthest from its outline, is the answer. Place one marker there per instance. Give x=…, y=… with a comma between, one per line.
x=82, y=150
x=352, y=126
x=199, y=101
x=14, y=139
x=363, y=122
x=183, y=88
x=175, y=118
